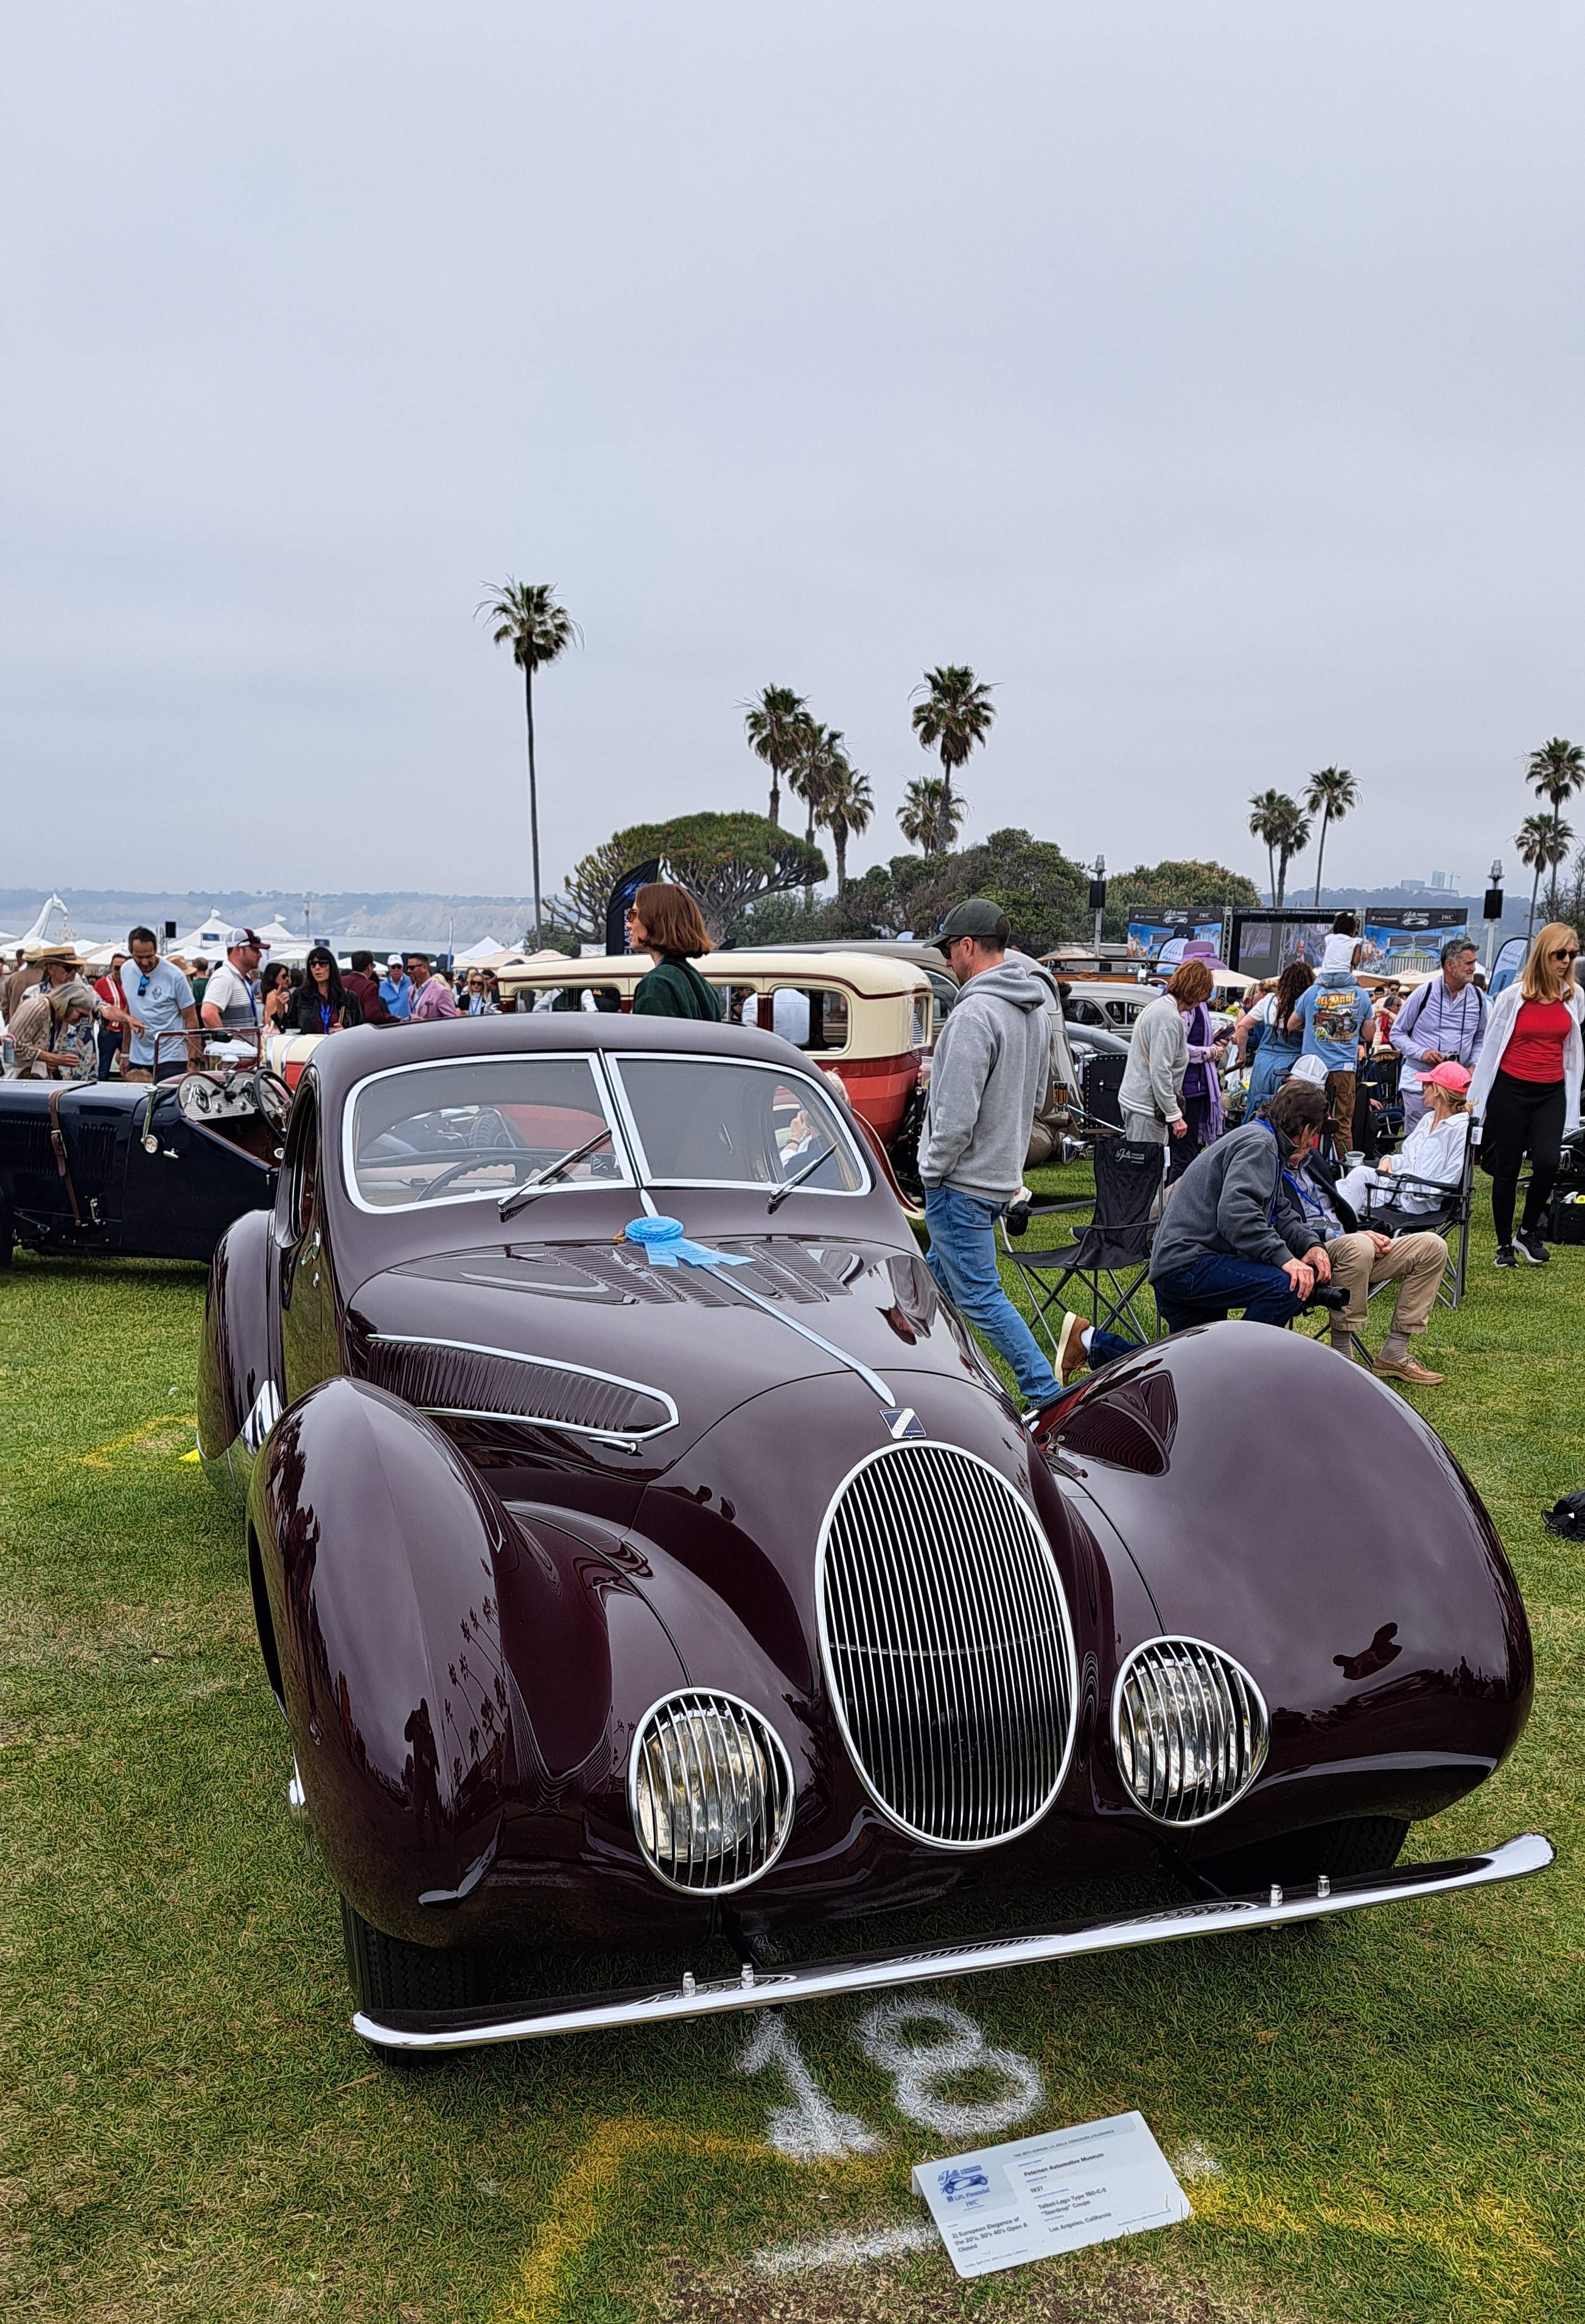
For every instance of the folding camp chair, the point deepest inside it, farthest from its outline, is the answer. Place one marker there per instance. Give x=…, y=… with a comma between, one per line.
x=1450, y=1219
x=1114, y=1248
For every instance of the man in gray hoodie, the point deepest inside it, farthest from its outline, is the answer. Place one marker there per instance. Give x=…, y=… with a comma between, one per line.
x=991, y=1068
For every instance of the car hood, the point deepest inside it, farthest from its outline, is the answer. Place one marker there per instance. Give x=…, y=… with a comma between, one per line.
x=692, y=1337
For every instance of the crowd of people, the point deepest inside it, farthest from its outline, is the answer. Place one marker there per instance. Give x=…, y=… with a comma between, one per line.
x=1267, y=1205
x=1278, y=1189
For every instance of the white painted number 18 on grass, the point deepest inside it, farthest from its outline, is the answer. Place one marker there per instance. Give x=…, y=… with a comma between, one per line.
x=812, y=2130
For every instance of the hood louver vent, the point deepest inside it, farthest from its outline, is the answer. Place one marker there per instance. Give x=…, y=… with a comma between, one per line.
x=452, y=1379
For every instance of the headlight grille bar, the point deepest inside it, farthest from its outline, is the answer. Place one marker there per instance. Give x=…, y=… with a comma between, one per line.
x=1190, y=1730
x=710, y=1786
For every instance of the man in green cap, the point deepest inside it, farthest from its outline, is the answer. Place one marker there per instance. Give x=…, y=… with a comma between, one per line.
x=991, y=1068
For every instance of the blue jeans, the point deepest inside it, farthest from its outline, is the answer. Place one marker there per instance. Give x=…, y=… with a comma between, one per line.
x=962, y=1258
x=1202, y=1293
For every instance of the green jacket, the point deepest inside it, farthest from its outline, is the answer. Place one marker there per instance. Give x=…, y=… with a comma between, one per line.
x=675, y=987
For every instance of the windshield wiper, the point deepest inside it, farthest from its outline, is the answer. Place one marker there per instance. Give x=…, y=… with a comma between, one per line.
x=799, y=1176
x=538, y=1181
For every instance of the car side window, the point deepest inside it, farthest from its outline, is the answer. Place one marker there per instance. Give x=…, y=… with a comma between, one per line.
x=303, y=1182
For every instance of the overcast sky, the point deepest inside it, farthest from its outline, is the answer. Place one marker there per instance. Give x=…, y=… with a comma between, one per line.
x=1206, y=376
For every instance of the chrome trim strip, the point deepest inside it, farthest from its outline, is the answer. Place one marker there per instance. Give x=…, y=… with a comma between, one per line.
x=628, y=1437
x=1512, y=1859
x=871, y=1381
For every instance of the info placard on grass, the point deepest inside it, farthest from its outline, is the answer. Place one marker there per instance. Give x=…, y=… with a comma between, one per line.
x=1036, y=2196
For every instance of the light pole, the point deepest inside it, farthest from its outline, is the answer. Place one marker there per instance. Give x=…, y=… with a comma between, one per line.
x=1491, y=909
x=1098, y=898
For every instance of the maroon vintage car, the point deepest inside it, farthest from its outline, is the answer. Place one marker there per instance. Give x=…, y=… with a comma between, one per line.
x=644, y=1556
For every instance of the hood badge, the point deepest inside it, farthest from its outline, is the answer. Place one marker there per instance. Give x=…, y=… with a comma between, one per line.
x=902, y=1421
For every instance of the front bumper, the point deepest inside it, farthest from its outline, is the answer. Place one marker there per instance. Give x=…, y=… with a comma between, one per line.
x=466, y=2029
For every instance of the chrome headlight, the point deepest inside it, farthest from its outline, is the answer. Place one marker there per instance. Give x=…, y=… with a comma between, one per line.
x=1190, y=1728
x=710, y=1786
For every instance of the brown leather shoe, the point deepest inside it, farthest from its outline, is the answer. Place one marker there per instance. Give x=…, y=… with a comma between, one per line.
x=1071, y=1357
x=1408, y=1369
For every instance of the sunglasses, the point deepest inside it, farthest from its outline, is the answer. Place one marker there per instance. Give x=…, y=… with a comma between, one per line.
x=143, y=983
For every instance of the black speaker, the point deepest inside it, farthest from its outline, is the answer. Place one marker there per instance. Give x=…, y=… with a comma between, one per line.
x=1099, y=1080
x=1491, y=909
x=1097, y=895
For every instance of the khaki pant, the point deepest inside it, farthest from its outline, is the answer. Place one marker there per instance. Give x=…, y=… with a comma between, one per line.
x=1339, y=1090
x=1417, y=1262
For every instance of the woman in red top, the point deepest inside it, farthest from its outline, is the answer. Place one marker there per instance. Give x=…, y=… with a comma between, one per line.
x=1526, y=1087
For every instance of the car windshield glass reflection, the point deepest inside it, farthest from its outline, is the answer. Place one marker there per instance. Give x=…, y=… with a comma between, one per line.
x=702, y=1123
x=480, y=1127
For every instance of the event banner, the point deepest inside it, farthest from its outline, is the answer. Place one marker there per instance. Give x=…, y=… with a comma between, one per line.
x=1148, y=933
x=1262, y=943
x=1410, y=940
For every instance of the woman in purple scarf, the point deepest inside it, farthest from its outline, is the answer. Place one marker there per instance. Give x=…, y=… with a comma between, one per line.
x=1191, y=988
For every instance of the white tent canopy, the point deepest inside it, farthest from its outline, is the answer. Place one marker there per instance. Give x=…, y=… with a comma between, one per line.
x=210, y=938
x=486, y=953
x=282, y=942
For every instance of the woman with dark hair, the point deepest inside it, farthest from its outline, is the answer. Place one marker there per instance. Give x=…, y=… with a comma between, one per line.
x=664, y=921
x=324, y=1005
x=276, y=998
x=1279, y=1049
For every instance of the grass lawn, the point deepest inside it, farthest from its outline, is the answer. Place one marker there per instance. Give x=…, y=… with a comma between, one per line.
x=1383, y=2116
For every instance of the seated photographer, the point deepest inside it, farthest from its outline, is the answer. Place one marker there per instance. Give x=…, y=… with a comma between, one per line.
x=1234, y=1233
x=1360, y=1257
x=1430, y=1163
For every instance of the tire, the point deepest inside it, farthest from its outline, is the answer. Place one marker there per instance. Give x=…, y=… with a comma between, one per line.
x=389, y=1973
x=1361, y=1846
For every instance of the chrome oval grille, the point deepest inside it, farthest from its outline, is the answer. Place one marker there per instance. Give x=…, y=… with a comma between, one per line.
x=1190, y=1728
x=946, y=1645
x=710, y=1788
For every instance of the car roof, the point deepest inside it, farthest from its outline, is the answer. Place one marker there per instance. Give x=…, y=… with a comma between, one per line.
x=342, y=1059
x=874, y=975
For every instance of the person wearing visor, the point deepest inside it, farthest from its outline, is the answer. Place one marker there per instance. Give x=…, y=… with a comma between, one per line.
x=992, y=1068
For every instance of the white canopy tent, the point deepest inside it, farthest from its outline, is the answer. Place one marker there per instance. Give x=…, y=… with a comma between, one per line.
x=283, y=943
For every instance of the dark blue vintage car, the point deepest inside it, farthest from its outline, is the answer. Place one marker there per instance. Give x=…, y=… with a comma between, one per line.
x=143, y=1170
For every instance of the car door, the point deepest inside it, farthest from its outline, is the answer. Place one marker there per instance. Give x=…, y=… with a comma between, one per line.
x=306, y=1308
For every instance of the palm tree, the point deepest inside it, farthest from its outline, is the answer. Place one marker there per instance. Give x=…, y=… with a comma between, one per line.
x=1269, y=821
x=957, y=712
x=1544, y=842
x=776, y=726
x=1555, y=772
x=1330, y=794
x=844, y=811
x=930, y=817
x=538, y=629
x=820, y=765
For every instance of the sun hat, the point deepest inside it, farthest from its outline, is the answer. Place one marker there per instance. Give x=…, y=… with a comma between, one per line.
x=1447, y=1075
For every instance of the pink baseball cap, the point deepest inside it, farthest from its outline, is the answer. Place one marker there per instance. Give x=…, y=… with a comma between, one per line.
x=1448, y=1077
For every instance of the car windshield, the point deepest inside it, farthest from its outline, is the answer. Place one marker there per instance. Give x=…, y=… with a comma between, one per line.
x=705, y=1122
x=475, y=1128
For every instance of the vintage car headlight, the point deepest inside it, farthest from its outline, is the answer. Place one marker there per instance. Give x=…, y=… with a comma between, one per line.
x=1190, y=1728
x=711, y=1790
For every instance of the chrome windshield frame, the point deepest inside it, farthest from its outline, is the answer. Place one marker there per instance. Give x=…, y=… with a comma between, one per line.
x=620, y=1143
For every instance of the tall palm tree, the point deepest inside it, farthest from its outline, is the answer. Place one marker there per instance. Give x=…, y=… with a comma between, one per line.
x=1268, y=824
x=1555, y=772
x=1544, y=842
x=930, y=817
x=776, y=726
x=957, y=712
x=1330, y=794
x=821, y=765
x=538, y=629
x=844, y=811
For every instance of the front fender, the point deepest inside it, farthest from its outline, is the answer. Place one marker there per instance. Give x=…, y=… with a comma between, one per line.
x=239, y=1367
x=1288, y=1507
x=378, y=1546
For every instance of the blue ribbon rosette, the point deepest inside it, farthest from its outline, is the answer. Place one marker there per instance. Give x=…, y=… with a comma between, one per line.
x=666, y=1245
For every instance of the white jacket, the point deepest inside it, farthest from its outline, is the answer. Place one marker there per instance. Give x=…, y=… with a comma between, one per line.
x=1499, y=1027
